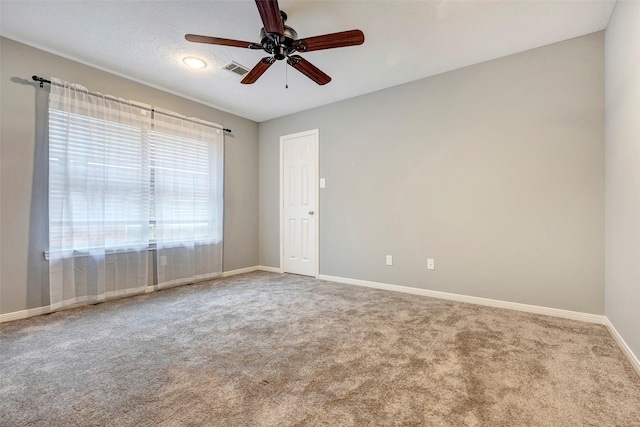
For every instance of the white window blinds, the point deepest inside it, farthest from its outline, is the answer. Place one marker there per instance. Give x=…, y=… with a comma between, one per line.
x=99, y=181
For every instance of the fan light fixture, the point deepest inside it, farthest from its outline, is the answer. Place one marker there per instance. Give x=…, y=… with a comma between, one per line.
x=194, y=62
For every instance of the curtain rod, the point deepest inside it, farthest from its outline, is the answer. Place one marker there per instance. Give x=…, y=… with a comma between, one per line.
x=43, y=81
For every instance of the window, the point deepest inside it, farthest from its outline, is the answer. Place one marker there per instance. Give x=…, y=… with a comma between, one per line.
x=110, y=181
x=98, y=183
x=183, y=187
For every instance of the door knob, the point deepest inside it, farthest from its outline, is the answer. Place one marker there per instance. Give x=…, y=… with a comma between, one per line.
x=311, y=212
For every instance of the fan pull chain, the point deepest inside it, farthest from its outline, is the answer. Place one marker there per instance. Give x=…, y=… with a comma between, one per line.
x=286, y=76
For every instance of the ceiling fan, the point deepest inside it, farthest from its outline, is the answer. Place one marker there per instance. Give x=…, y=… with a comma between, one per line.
x=281, y=41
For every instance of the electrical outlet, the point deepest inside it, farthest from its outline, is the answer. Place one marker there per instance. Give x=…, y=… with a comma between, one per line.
x=389, y=260
x=431, y=264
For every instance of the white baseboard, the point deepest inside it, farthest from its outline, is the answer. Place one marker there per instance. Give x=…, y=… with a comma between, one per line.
x=567, y=314
x=623, y=345
x=592, y=318
x=556, y=312
x=240, y=271
x=270, y=269
x=252, y=269
x=23, y=314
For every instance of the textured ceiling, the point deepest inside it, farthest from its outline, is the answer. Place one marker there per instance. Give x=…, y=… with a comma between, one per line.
x=404, y=41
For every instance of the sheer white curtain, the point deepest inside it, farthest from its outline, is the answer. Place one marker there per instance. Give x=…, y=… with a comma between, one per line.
x=187, y=175
x=99, y=192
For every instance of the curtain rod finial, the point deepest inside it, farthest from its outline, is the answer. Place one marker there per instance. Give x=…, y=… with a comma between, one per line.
x=41, y=80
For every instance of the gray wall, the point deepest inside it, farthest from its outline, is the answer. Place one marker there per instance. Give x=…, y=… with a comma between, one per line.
x=23, y=154
x=622, y=253
x=495, y=170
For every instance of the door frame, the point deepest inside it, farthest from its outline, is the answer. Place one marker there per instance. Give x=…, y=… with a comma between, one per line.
x=316, y=133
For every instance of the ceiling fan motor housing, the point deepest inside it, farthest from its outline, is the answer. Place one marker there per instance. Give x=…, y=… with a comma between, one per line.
x=279, y=45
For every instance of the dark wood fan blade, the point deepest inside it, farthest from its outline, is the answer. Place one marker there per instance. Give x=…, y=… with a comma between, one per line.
x=270, y=14
x=216, y=40
x=258, y=70
x=333, y=40
x=308, y=69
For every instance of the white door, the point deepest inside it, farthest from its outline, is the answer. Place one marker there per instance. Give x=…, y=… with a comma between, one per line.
x=300, y=203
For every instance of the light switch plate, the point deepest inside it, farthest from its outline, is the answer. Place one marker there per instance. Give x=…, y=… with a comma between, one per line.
x=431, y=264
x=322, y=183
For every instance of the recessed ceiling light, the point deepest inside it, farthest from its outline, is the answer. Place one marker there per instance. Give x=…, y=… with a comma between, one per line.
x=194, y=62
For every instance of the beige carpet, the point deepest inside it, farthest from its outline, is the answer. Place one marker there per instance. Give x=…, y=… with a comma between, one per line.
x=264, y=349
